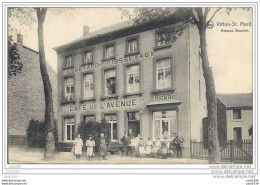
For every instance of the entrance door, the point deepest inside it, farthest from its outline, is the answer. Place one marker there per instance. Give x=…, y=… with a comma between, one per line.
x=133, y=123
x=237, y=133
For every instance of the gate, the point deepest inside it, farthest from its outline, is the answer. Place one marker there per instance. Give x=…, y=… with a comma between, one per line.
x=237, y=151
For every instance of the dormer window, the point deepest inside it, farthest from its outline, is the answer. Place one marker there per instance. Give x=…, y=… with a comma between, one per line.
x=161, y=39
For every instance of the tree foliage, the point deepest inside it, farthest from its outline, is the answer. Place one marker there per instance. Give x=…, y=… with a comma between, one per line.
x=15, y=65
x=93, y=129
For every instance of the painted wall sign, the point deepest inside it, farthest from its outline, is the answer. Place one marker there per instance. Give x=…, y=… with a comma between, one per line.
x=131, y=58
x=165, y=97
x=103, y=105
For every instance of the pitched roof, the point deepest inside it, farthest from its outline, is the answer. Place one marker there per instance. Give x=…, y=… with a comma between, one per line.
x=119, y=30
x=242, y=100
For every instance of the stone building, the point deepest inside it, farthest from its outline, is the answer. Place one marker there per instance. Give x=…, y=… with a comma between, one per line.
x=135, y=79
x=25, y=94
x=235, y=116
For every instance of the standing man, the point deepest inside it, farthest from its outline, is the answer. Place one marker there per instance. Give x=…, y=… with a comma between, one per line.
x=126, y=141
x=178, y=144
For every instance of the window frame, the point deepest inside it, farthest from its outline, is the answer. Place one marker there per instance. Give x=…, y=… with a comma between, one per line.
x=128, y=39
x=82, y=86
x=89, y=113
x=157, y=47
x=103, y=82
x=171, y=88
x=117, y=131
x=232, y=115
x=126, y=118
x=65, y=62
x=104, y=50
x=125, y=79
x=84, y=56
x=169, y=126
x=64, y=133
x=64, y=101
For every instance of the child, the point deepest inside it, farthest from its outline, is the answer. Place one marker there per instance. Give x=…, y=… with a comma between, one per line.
x=90, y=146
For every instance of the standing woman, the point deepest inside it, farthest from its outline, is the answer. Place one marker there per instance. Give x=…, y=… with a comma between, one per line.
x=102, y=146
x=90, y=146
x=78, y=143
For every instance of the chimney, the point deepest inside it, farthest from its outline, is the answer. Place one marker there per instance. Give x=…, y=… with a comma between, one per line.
x=19, y=39
x=85, y=30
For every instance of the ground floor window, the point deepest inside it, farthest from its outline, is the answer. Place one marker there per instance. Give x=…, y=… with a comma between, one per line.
x=112, y=121
x=133, y=119
x=69, y=128
x=164, y=124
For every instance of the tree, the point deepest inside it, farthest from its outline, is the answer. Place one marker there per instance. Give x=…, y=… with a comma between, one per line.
x=26, y=17
x=14, y=64
x=201, y=18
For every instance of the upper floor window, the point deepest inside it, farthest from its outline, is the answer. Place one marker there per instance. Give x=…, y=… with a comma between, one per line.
x=69, y=88
x=109, y=51
x=237, y=114
x=163, y=73
x=133, y=78
x=88, y=57
x=68, y=61
x=132, y=45
x=161, y=39
x=110, y=81
x=88, y=82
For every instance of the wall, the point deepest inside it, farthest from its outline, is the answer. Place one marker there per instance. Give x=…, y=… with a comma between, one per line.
x=246, y=122
x=180, y=55
x=25, y=93
x=197, y=89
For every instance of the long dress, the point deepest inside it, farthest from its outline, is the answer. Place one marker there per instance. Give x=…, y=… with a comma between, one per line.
x=90, y=145
x=141, y=148
x=78, y=143
x=157, y=146
x=102, y=146
x=148, y=147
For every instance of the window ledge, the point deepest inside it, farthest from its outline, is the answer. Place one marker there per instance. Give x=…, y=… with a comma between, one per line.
x=108, y=58
x=88, y=99
x=162, y=47
x=64, y=102
x=132, y=53
x=132, y=94
x=109, y=97
x=71, y=67
x=163, y=90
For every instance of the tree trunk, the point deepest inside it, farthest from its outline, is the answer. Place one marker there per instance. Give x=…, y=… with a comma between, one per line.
x=49, y=114
x=213, y=143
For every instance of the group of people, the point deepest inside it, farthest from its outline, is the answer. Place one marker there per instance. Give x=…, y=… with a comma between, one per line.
x=158, y=149
x=131, y=145
x=90, y=144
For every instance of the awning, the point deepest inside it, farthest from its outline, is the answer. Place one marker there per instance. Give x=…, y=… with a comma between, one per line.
x=163, y=105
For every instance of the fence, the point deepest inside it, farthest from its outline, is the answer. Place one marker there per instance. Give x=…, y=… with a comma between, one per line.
x=17, y=140
x=237, y=151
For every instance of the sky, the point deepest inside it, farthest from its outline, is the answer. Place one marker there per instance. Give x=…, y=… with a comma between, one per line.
x=230, y=53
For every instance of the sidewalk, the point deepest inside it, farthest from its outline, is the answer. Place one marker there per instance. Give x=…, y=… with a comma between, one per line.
x=22, y=155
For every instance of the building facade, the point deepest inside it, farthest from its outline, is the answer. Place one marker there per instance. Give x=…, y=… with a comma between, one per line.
x=235, y=116
x=136, y=80
x=25, y=94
